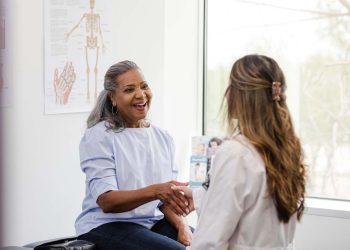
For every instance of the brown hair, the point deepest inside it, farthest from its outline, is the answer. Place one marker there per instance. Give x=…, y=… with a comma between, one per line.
x=265, y=121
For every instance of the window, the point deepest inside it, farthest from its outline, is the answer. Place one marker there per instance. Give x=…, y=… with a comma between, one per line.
x=311, y=42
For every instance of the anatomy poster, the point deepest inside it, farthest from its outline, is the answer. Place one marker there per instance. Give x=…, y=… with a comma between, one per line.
x=77, y=39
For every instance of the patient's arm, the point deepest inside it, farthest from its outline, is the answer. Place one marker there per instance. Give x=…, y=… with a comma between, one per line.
x=180, y=223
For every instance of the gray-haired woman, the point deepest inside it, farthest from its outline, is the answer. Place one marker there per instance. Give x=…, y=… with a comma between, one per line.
x=129, y=167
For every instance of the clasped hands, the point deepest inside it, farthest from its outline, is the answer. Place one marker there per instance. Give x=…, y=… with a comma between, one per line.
x=176, y=195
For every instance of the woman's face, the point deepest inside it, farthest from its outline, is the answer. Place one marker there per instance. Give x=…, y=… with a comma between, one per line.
x=132, y=97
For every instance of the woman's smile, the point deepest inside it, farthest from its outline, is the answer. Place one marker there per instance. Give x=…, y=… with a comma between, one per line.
x=132, y=97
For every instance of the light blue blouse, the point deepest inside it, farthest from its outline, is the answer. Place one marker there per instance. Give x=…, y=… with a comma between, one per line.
x=127, y=160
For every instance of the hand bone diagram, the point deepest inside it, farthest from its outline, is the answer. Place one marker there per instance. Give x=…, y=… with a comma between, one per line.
x=63, y=83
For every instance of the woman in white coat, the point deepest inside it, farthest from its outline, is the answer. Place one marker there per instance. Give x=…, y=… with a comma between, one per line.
x=254, y=194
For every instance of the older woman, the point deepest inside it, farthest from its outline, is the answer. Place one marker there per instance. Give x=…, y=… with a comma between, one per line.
x=129, y=167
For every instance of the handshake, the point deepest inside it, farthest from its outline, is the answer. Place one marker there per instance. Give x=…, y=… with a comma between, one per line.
x=176, y=195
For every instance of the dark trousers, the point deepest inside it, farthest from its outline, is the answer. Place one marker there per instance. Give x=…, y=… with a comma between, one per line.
x=131, y=236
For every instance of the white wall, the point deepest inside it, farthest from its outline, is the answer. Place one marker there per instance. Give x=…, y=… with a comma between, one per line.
x=42, y=180
x=323, y=233
x=43, y=185
x=183, y=76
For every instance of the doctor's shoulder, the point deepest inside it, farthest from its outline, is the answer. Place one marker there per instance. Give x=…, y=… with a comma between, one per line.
x=236, y=146
x=240, y=152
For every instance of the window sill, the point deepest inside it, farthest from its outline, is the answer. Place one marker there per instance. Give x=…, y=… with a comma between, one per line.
x=327, y=208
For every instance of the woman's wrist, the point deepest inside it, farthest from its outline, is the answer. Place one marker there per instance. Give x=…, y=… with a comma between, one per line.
x=152, y=192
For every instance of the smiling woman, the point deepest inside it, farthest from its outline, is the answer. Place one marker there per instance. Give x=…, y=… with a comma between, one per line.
x=132, y=98
x=125, y=100
x=129, y=167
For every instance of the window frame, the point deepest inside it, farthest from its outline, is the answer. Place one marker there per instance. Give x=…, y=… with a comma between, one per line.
x=326, y=207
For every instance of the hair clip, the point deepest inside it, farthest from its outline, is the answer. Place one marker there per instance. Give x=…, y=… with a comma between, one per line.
x=276, y=91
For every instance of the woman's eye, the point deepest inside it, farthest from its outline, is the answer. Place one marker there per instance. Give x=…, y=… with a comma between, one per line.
x=129, y=90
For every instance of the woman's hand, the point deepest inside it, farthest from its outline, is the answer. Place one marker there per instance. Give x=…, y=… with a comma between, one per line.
x=186, y=192
x=184, y=235
x=175, y=200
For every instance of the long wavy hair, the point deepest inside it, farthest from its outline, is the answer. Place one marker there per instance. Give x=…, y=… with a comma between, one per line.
x=103, y=109
x=266, y=122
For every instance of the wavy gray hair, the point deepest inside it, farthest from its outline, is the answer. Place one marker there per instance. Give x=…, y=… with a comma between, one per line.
x=103, y=109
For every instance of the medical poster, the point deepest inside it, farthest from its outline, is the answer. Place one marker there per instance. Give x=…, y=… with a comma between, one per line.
x=77, y=39
x=202, y=156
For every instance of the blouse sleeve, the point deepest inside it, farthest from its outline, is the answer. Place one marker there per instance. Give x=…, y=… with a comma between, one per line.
x=97, y=161
x=232, y=187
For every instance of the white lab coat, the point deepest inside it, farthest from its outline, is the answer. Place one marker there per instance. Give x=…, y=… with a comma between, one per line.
x=236, y=210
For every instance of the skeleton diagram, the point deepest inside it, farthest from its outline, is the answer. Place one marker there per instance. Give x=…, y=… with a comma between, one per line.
x=92, y=29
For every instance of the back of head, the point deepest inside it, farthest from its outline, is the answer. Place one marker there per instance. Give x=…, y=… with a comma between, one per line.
x=103, y=109
x=255, y=98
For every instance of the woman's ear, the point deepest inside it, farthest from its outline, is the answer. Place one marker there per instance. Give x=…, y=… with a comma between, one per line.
x=111, y=97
